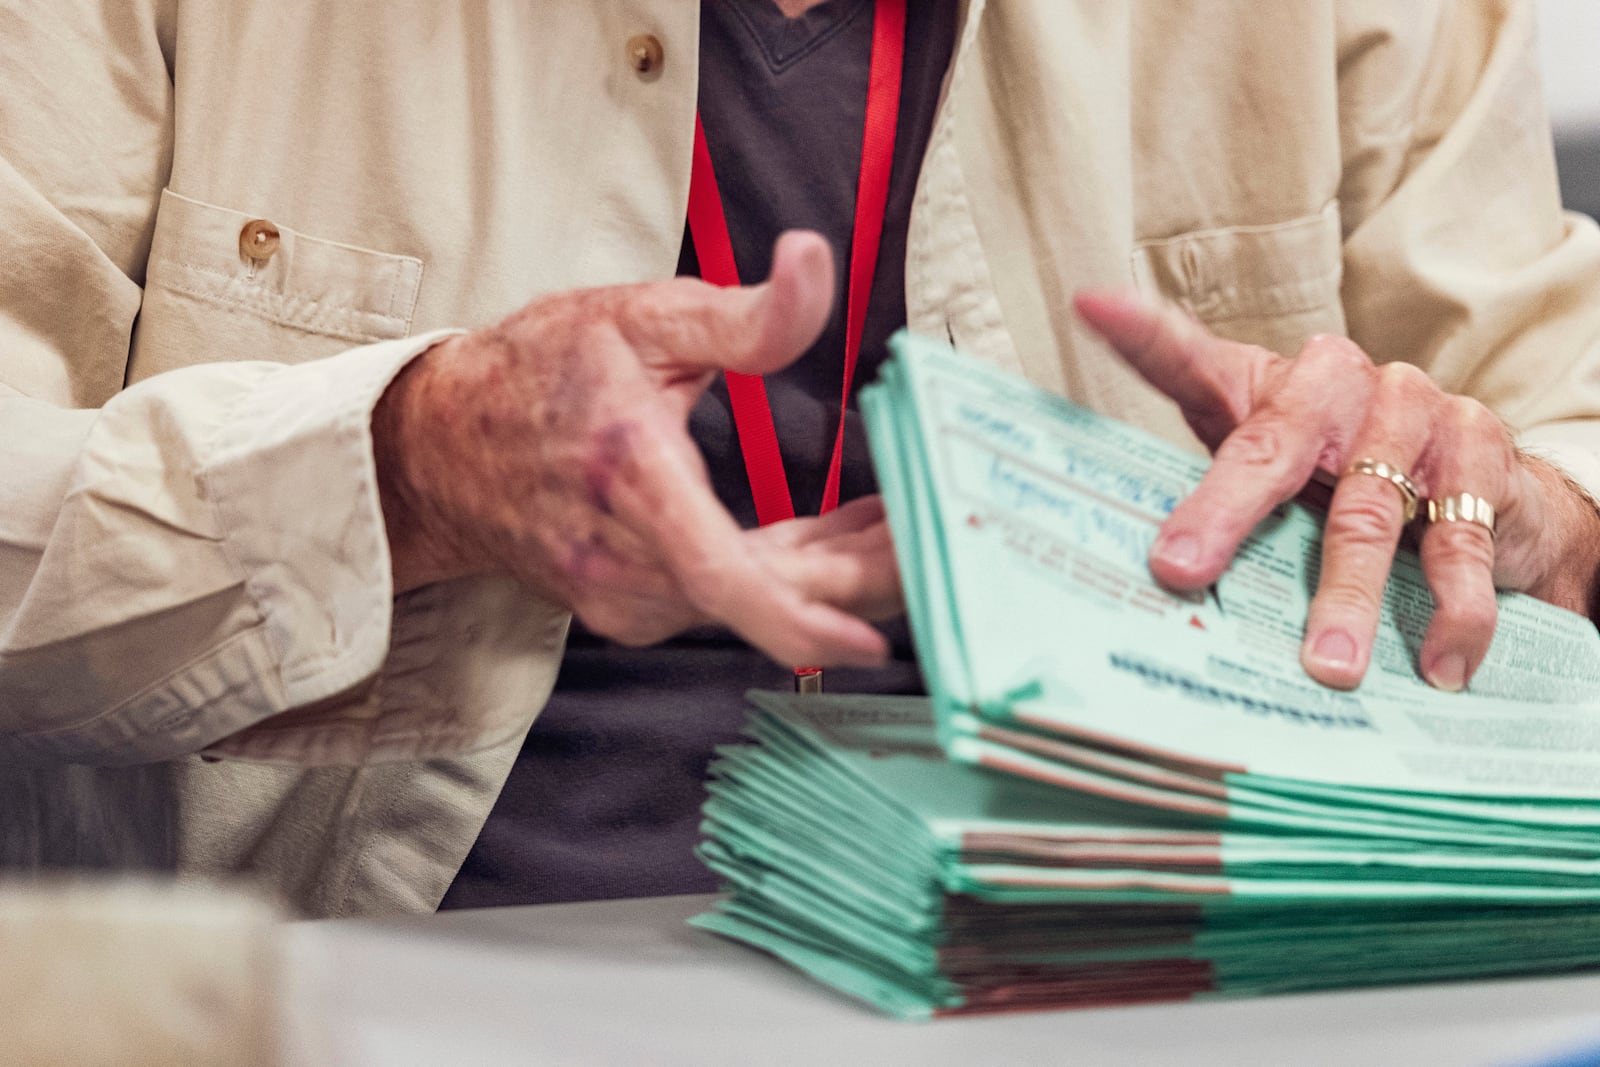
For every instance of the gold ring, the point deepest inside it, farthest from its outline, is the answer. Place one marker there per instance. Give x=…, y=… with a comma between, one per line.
x=1394, y=476
x=1462, y=507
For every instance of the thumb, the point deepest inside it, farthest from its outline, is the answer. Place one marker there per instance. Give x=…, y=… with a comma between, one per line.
x=692, y=330
x=751, y=329
x=787, y=313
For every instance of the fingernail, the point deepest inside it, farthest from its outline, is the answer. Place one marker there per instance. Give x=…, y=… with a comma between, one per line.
x=1449, y=673
x=1335, y=648
x=1180, y=549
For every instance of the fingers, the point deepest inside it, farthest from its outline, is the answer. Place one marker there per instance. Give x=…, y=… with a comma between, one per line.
x=1458, y=557
x=562, y=456
x=1211, y=379
x=684, y=328
x=855, y=571
x=790, y=309
x=862, y=513
x=662, y=489
x=1273, y=423
x=1365, y=520
x=844, y=559
x=785, y=602
x=1270, y=422
x=1445, y=443
x=643, y=474
x=1303, y=422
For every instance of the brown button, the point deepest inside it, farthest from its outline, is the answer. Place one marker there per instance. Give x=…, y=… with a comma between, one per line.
x=258, y=240
x=645, y=53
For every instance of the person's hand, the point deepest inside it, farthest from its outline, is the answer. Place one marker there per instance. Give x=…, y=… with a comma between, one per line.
x=1273, y=422
x=554, y=446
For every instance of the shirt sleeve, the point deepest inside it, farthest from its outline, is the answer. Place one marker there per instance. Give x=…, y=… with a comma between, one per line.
x=1458, y=256
x=197, y=562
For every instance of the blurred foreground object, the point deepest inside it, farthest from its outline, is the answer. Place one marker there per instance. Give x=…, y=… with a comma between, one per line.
x=138, y=972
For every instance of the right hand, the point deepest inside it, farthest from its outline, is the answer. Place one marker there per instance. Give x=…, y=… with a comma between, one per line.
x=554, y=446
x=1273, y=422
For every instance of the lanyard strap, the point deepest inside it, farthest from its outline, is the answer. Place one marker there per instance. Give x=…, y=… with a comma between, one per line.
x=708, y=227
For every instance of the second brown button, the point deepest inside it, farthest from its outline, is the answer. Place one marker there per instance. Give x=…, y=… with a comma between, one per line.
x=645, y=53
x=258, y=240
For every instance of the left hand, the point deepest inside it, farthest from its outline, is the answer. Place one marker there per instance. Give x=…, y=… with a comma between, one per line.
x=1272, y=422
x=554, y=447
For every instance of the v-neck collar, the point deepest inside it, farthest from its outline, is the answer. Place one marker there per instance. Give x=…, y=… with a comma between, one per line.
x=785, y=41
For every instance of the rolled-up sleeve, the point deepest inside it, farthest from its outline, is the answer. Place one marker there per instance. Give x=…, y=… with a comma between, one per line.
x=198, y=562
x=202, y=553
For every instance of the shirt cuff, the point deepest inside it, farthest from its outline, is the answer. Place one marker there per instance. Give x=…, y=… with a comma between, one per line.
x=262, y=546
x=295, y=487
x=451, y=668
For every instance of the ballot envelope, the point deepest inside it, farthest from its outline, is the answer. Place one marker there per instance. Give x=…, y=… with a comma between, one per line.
x=1116, y=794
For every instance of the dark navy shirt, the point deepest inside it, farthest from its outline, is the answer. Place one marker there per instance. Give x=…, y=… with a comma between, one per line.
x=604, y=798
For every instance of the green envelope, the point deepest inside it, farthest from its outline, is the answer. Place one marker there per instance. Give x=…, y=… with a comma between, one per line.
x=855, y=851
x=1115, y=794
x=1024, y=523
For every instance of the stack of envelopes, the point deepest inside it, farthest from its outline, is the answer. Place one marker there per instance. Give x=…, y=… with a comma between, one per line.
x=1115, y=794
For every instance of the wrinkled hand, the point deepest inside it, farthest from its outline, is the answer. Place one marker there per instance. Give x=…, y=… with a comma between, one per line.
x=1272, y=423
x=554, y=446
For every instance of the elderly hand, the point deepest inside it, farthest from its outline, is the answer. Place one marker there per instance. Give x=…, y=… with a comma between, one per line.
x=1272, y=423
x=554, y=446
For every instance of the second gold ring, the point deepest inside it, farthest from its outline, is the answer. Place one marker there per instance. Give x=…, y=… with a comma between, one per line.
x=1394, y=476
x=1463, y=507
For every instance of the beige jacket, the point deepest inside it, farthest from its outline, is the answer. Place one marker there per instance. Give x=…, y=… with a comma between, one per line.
x=195, y=560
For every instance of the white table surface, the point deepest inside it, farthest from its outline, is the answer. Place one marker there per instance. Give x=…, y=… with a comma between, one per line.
x=626, y=982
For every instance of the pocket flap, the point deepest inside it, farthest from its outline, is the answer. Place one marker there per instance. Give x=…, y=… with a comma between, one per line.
x=339, y=290
x=1257, y=272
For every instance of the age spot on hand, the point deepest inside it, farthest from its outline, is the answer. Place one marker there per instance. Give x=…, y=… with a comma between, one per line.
x=583, y=556
x=613, y=451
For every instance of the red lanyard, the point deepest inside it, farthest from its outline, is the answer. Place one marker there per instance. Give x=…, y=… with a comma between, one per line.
x=708, y=226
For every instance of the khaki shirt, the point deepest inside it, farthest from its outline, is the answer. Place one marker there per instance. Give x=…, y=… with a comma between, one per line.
x=279, y=203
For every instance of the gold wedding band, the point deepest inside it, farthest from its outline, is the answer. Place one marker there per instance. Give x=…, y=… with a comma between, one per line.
x=1462, y=507
x=1394, y=476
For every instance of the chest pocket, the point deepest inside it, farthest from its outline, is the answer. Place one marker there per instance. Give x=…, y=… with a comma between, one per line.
x=227, y=285
x=1273, y=285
